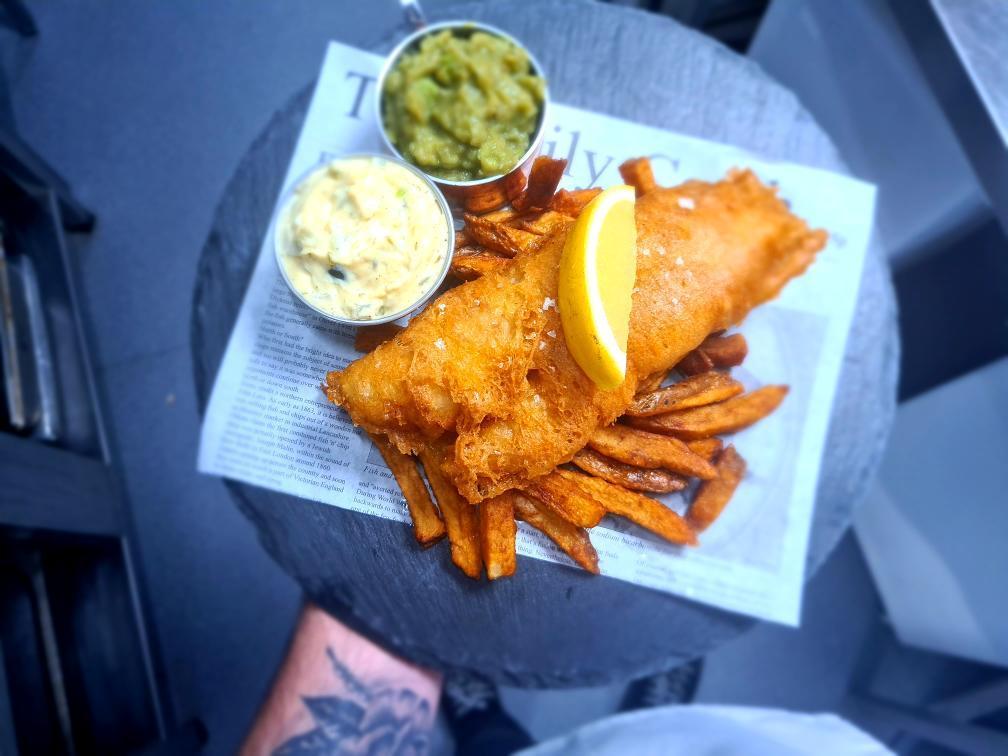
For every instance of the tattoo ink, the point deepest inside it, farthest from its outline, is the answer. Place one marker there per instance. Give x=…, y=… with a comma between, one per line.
x=367, y=718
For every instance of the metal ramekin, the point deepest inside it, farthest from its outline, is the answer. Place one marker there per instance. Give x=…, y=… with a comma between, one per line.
x=284, y=205
x=479, y=194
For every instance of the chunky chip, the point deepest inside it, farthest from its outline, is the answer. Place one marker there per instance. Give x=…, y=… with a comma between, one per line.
x=725, y=417
x=630, y=477
x=716, y=351
x=695, y=391
x=461, y=518
x=559, y=491
x=505, y=215
x=428, y=527
x=497, y=531
x=369, y=338
x=643, y=449
x=713, y=495
x=571, y=203
x=695, y=363
x=490, y=198
x=544, y=223
x=638, y=173
x=707, y=448
x=571, y=539
x=543, y=180
x=642, y=510
x=651, y=383
x=514, y=184
x=500, y=237
x=471, y=265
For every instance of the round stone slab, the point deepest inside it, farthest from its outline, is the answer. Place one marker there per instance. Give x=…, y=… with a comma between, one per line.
x=550, y=625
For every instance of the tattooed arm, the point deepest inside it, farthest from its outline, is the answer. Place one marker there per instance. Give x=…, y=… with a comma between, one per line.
x=338, y=692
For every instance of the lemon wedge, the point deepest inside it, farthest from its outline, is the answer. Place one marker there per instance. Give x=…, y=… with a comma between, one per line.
x=597, y=272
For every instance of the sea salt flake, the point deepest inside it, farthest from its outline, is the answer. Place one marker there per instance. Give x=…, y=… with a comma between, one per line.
x=551, y=334
x=686, y=203
x=547, y=303
x=536, y=399
x=441, y=307
x=542, y=345
x=440, y=344
x=678, y=261
x=476, y=302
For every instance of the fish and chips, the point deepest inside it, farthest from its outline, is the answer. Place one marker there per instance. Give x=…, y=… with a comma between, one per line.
x=482, y=390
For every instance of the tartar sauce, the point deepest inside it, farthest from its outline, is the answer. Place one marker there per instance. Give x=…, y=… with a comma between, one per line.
x=362, y=238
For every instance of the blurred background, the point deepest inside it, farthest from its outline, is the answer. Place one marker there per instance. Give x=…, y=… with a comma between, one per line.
x=137, y=609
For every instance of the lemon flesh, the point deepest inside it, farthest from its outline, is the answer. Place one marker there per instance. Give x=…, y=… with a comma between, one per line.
x=595, y=290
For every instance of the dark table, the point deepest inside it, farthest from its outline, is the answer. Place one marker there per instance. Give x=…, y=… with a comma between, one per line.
x=551, y=626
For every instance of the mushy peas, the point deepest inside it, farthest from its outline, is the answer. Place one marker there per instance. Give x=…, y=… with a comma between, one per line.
x=362, y=238
x=463, y=108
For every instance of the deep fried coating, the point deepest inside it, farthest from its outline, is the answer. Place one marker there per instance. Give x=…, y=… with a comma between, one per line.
x=485, y=368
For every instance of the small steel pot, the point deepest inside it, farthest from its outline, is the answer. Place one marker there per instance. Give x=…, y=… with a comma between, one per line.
x=477, y=195
x=281, y=214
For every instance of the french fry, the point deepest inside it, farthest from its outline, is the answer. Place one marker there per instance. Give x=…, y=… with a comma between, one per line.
x=461, y=518
x=543, y=180
x=369, y=338
x=499, y=237
x=651, y=383
x=695, y=363
x=628, y=476
x=559, y=491
x=428, y=527
x=571, y=539
x=643, y=510
x=504, y=215
x=497, y=531
x=484, y=201
x=713, y=495
x=726, y=351
x=725, y=417
x=707, y=448
x=716, y=351
x=642, y=449
x=472, y=265
x=571, y=203
x=514, y=184
x=638, y=173
x=544, y=223
x=695, y=391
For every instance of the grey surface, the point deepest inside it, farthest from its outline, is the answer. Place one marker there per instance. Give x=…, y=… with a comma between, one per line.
x=978, y=30
x=962, y=47
x=146, y=109
x=878, y=109
x=531, y=630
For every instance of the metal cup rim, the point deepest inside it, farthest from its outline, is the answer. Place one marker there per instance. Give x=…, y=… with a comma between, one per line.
x=534, y=141
x=287, y=196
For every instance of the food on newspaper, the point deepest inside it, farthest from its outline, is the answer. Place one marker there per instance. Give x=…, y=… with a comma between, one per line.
x=482, y=386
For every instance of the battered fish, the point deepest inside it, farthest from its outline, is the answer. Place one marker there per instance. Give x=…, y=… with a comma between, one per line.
x=484, y=376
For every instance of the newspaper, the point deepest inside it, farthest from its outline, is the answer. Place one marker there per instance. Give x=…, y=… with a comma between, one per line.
x=268, y=424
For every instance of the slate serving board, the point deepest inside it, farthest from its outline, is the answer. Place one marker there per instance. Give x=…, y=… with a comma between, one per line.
x=552, y=626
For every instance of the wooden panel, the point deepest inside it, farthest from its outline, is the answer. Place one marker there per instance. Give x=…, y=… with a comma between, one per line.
x=46, y=488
